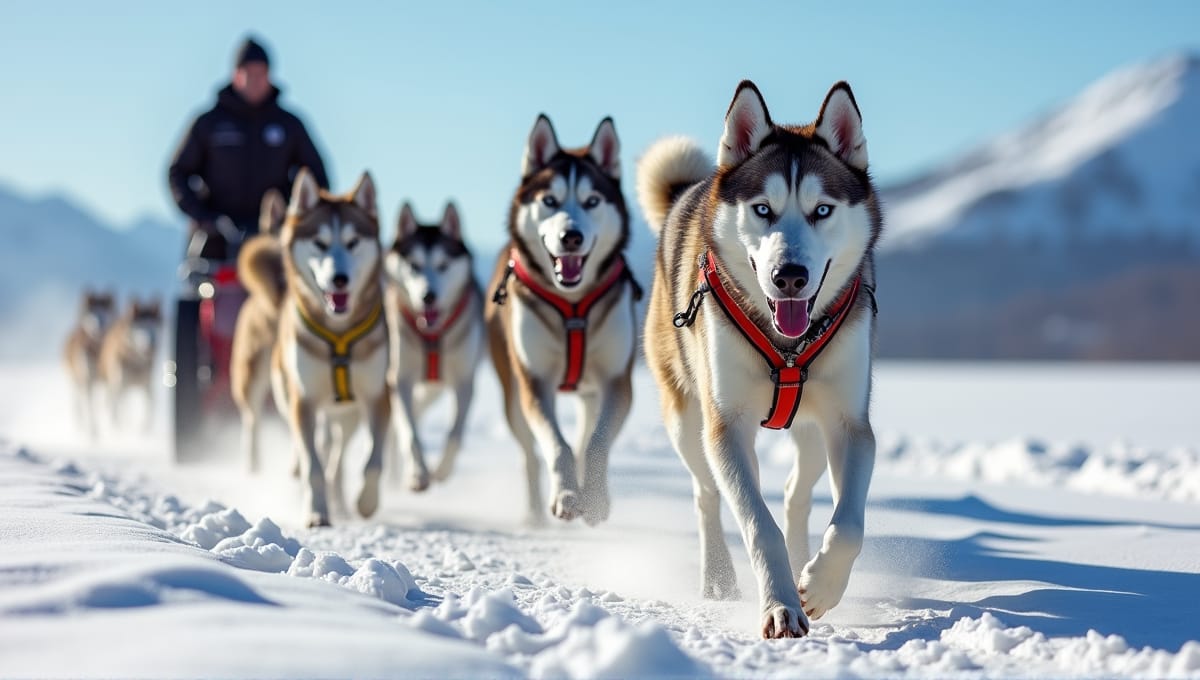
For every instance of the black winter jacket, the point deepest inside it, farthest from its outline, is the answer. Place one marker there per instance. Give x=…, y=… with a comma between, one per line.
x=237, y=152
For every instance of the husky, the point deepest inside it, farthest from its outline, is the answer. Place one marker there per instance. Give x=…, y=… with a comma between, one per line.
x=563, y=316
x=127, y=357
x=82, y=353
x=768, y=258
x=436, y=314
x=329, y=361
x=257, y=321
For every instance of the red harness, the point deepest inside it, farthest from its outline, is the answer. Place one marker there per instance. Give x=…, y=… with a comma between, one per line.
x=789, y=370
x=574, y=315
x=432, y=338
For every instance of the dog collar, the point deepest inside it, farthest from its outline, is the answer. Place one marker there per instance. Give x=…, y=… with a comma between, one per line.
x=340, y=346
x=789, y=370
x=574, y=314
x=433, y=338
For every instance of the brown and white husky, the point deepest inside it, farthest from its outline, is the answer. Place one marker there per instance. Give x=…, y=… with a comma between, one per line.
x=761, y=316
x=127, y=357
x=82, y=354
x=562, y=318
x=330, y=357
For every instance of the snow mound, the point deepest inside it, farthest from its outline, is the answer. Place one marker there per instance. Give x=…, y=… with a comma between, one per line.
x=261, y=547
x=614, y=649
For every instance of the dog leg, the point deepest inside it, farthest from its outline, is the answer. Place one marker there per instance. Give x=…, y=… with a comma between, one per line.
x=148, y=423
x=537, y=402
x=341, y=428
x=798, y=494
x=617, y=397
x=729, y=447
x=406, y=432
x=684, y=425
x=304, y=424
x=851, y=450
x=463, y=393
x=379, y=417
x=536, y=509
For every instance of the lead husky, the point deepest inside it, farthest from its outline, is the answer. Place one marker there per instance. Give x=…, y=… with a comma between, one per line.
x=330, y=357
x=568, y=324
x=82, y=353
x=780, y=236
x=127, y=357
x=436, y=328
x=260, y=269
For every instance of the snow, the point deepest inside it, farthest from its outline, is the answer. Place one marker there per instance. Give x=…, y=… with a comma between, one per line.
x=1020, y=525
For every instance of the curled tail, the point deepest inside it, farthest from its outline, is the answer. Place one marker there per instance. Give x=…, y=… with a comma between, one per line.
x=667, y=169
x=260, y=269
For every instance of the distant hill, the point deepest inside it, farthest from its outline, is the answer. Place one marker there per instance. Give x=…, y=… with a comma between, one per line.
x=55, y=249
x=1073, y=237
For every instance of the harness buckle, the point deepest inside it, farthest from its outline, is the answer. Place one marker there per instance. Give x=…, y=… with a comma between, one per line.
x=339, y=359
x=578, y=323
x=776, y=378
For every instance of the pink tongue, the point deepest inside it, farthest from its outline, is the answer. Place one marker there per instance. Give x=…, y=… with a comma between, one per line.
x=791, y=317
x=569, y=268
x=429, y=317
x=339, y=301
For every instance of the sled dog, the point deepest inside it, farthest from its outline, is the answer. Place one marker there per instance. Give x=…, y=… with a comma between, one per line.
x=127, y=357
x=761, y=316
x=82, y=353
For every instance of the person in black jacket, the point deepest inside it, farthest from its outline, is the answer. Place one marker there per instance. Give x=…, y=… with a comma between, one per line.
x=232, y=154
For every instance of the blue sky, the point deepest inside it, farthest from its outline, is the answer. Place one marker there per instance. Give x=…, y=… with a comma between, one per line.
x=437, y=98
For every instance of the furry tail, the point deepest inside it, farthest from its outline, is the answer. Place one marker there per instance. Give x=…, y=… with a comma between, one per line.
x=260, y=269
x=667, y=169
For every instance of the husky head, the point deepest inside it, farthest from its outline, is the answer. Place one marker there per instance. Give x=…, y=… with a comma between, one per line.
x=429, y=264
x=568, y=217
x=145, y=320
x=331, y=244
x=96, y=312
x=797, y=201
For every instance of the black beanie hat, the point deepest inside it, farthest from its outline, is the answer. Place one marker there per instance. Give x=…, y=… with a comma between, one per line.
x=251, y=51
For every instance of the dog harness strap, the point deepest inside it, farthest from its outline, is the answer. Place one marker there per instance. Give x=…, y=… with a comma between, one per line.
x=788, y=371
x=574, y=314
x=433, y=338
x=340, y=346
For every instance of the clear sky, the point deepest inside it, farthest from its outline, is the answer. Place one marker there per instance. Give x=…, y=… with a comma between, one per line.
x=436, y=98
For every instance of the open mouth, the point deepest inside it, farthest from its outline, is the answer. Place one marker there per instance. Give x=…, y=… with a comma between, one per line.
x=338, y=303
x=791, y=316
x=429, y=317
x=568, y=269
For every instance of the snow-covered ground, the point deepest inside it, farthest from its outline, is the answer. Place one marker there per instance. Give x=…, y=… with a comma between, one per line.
x=1026, y=520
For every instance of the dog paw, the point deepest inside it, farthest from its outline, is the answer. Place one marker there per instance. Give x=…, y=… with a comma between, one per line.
x=418, y=481
x=596, y=506
x=442, y=472
x=821, y=586
x=368, y=499
x=781, y=621
x=316, y=519
x=566, y=505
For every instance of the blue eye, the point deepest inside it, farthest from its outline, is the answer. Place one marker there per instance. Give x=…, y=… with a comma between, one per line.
x=762, y=210
x=549, y=201
x=591, y=202
x=824, y=210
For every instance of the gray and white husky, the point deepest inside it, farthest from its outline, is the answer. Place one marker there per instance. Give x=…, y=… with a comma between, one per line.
x=782, y=229
x=435, y=312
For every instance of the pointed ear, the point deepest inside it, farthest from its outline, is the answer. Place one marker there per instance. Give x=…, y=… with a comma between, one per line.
x=451, y=224
x=306, y=193
x=407, y=224
x=271, y=212
x=605, y=148
x=840, y=126
x=363, y=195
x=747, y=123
x=541, y=147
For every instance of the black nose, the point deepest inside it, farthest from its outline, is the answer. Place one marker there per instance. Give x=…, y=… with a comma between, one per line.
x=790, y=279
x=572, y=240
x=340, y=280
x=430, y=298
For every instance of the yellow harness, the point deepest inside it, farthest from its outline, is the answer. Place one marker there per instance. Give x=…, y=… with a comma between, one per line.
x=340, y=345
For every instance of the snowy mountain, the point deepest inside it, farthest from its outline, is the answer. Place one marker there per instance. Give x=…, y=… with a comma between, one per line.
x=55, y=249
x=1003, y=252
x=1121, y=160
